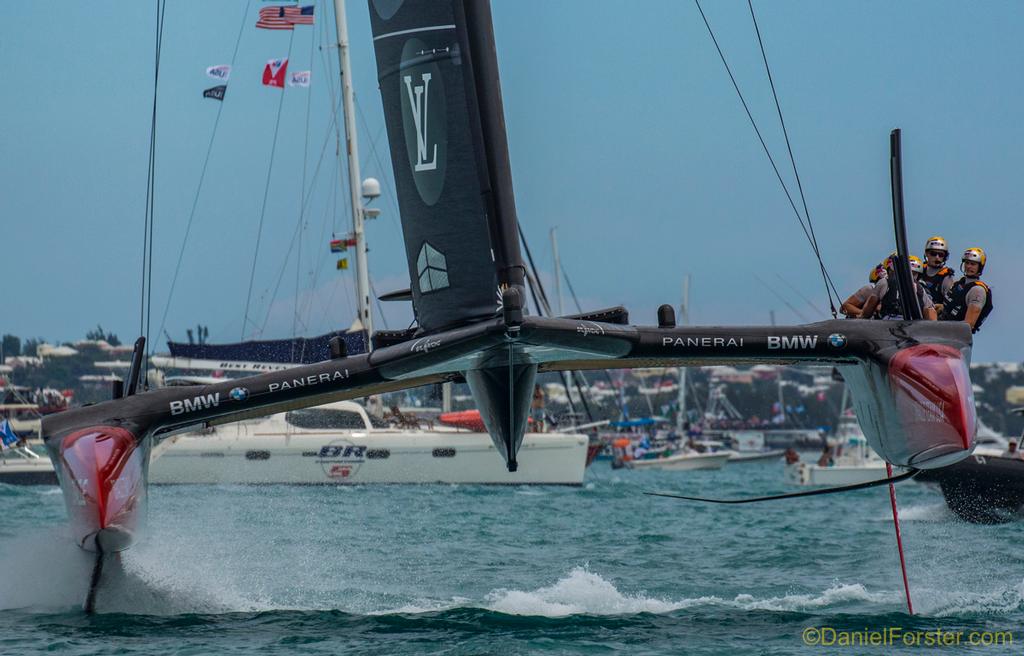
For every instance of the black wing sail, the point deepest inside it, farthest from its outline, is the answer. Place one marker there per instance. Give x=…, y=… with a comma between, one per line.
x=442, y=104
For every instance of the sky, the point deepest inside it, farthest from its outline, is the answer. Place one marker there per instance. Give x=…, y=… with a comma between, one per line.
x=625, y=135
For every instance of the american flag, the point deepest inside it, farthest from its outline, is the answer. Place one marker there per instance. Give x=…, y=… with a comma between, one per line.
x=284, y=17
x=299, y=15
x=273, y=18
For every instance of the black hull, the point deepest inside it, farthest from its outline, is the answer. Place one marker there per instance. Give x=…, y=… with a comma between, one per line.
x=29, y=478
x=981, y=489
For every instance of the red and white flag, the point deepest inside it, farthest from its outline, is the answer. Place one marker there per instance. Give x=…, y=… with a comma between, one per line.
x=274, y=72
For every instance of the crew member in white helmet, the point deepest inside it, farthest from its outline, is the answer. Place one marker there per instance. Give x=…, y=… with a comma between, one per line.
x=937, y=277
x=969, y=299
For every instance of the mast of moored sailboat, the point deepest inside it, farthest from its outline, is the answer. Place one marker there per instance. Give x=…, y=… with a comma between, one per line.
x=364, y=321
x=684, y=316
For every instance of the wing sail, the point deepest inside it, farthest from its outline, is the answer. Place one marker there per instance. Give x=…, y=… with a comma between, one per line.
x=437, y=70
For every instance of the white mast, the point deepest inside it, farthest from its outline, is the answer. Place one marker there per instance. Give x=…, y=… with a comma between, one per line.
x=352, y=151
x=558, y=272
x=684, y=317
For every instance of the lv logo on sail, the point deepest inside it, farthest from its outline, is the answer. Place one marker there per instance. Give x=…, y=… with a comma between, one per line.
x=418, y=103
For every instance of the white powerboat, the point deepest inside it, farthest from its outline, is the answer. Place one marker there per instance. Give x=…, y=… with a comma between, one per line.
x=854, y=462
x=22, y=466
x=337, y=444
x=749, y=446
x=688, y=460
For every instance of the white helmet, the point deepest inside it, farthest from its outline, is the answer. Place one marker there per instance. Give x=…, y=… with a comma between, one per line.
x=916, y=266
x=936, y=243
x=975, y=254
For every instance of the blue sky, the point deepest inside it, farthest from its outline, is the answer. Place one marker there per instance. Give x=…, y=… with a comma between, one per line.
x=624, y=132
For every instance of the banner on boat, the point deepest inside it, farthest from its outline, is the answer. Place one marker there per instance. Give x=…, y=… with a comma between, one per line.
x=217, y=92
x=299, y=79
x=220, y=72
x=274, y=72
x=7, y=436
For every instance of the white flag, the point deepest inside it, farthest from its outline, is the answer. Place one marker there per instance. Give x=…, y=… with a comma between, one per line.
x=299, y=79
x=221, y=72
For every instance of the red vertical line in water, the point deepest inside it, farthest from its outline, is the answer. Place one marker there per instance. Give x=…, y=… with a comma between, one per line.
x=899, y=538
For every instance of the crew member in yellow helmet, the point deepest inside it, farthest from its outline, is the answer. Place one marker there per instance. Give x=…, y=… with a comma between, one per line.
x=937, y=278
x=969, y=299
x=853, y=305
x=885, y=296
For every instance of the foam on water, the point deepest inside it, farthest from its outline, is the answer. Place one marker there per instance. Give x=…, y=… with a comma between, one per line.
x=928, y=512
x=583, y=592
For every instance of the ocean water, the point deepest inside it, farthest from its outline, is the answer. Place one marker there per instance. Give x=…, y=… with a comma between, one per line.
x=489, y=570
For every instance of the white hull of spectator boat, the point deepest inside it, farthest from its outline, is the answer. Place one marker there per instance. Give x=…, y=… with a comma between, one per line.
x=683, y=462
x=802, y=473
x=274, y=450
x=857, y=462
x=755, y=456
x=20, y=466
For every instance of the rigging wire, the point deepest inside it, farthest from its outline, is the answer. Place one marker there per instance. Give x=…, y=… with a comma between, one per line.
x=796, y=291
x=296, y=234
x=202, y=177
x=779, y=296
x=266, y=192
x=792, y=161
x=145, y=308
x=767, y=152
x=302, y=204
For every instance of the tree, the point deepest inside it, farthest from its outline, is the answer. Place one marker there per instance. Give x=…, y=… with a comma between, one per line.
x=11, y=346
x=98, y=335
x=30, y=346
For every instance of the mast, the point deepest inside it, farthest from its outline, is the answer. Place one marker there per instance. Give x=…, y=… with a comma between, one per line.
x=354, y=183
x=558, y=271
x=684, y=318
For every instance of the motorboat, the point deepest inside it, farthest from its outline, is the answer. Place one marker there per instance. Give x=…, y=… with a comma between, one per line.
x=850, y=460
x=988, y=486
x=749, y=446
x=682, y=461
x=22, y=466
x=338, y=444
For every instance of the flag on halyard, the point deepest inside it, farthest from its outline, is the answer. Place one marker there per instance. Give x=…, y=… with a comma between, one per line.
x=274, y=72
x=7, y=436
x=342, y=264
x=217, y=92
x=351, y=241
x=299, y=79
x=273, y=18
x=221, y=72
x=337, y=246
x=299, y=15
x=284, y=17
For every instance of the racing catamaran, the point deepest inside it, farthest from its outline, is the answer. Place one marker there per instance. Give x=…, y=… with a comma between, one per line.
x=442, y=101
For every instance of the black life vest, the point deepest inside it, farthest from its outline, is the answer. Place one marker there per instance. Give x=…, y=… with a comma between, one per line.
x=889, y=305
x=933, y=283
x=956, y=302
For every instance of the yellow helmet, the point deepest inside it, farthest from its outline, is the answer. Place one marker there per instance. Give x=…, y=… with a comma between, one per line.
x=877, y=273
x=974, y=254
x=936, y=243
x=916, y=266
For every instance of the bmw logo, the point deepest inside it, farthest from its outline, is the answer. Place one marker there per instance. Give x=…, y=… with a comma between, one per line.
x=837, y=340
x=239, y=394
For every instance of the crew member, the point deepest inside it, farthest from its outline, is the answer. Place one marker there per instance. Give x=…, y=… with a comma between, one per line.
x=852, y=306
x=969, y=299
x=885, y=296
x=537, y=409
x=937, y=277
